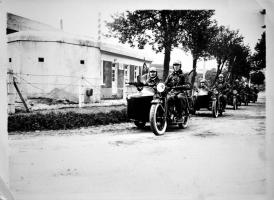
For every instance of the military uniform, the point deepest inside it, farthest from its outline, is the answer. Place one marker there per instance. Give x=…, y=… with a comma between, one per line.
x=223, y=89
x=152, y=81
x=176, y=95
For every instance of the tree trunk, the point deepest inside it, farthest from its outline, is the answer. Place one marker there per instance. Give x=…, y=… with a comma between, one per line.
x=194, y=65
x=166, y=61
x=217, y=73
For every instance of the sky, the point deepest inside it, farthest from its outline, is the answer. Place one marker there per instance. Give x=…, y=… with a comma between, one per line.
x=81, y=17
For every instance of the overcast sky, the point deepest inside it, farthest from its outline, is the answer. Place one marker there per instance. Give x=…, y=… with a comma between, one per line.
x=81, y=17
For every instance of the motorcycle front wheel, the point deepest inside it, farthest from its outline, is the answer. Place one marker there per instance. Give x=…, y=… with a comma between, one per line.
x=234, y=103
x=215, y=111
x=158, y=123
x=184, y=124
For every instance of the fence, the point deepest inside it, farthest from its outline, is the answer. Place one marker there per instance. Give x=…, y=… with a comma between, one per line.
x=53, y=88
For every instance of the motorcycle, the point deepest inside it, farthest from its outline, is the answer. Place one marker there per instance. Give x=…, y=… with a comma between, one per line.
x=244, y=98
x=150, y=105
x=253, y=97
x=233, y=99
x=209, y=100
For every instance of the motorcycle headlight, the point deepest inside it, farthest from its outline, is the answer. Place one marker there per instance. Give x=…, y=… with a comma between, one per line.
x=234, y=91
x=161, y=87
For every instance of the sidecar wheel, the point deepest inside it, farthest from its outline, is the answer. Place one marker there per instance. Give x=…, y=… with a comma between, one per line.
x=158, y=123
x=215, y=111
x=185, y=122
x=140, y=124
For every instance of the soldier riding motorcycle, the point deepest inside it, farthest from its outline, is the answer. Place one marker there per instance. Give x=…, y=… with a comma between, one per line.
x=151, y=105
x=233, y=97
x=221, y=89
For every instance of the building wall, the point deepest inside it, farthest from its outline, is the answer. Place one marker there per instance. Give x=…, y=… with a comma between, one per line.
x=124, y=69
x=59, y=69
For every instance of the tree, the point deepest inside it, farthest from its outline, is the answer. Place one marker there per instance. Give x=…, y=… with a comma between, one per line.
x=159, y=28
x=210, y=75
x=257, y=78
x=221, y=47
x=200, y=31
x=259, y=57
x=240, y=66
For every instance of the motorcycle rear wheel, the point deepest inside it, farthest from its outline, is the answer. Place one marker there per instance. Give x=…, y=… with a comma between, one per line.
x=158, y=123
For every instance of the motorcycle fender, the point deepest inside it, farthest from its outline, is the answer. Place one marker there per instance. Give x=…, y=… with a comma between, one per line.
x=155, y=101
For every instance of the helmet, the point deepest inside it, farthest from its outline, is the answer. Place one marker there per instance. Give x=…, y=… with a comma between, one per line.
x=152, y=69
x=221, y=76
x=177, y=62
x=202, y=81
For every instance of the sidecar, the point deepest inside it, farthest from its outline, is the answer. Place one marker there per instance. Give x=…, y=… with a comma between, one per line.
x=202, y=100
x=208, y=100
x=138, y=106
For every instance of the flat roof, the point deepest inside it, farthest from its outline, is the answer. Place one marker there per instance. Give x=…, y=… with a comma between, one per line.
x=68, y=38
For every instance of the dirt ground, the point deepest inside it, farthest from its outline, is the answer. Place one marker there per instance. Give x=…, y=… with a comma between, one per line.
x=221, y=158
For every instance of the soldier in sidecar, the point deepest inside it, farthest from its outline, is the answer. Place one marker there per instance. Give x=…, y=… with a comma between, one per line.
x=208, y=98
x=138, y=105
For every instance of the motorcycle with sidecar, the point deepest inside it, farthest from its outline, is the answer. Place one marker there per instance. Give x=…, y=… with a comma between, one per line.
x=208, y=99
x=149, y=104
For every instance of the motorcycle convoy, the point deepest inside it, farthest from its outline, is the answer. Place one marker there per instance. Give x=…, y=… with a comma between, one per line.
x=163, y=104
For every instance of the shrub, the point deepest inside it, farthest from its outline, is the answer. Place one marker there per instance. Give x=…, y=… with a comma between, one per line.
x=61, y=120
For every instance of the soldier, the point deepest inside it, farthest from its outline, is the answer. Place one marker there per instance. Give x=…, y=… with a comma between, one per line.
x=153, y=78
x=203, y=85
x=176, y=96
x=223, y=89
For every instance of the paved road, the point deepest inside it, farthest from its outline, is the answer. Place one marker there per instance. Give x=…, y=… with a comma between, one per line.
x=221, y=158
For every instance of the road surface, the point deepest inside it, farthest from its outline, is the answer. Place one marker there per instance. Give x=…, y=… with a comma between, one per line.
x=221, y=158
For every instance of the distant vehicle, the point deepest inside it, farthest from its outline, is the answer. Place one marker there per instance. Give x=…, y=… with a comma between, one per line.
x=209, y=100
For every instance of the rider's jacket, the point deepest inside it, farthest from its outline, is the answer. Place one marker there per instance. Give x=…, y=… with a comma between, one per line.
x=152, y=81
x=221, y=86
x=237, y=86
x=176, y=80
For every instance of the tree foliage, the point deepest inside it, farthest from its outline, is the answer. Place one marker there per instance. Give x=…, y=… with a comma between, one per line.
x=239, y=63
x=200, y=31
x=164, y=30
x=222, y=46
x=257, y=78
x=159, y=28
x=259, y=57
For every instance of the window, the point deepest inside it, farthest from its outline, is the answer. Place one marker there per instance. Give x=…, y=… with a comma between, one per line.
x=113, y=75
x=40, y=59
x=82, y=62
x=10, y=60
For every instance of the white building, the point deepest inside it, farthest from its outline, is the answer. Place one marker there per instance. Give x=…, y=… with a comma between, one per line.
x=55, y=64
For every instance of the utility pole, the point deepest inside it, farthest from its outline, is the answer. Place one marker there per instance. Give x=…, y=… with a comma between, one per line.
x=61, y=24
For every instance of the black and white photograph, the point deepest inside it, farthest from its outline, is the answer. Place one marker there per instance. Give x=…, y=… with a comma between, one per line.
x=136, y=100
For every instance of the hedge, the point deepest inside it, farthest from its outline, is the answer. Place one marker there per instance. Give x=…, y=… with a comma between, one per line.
x=61, y=120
